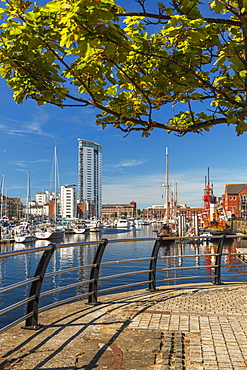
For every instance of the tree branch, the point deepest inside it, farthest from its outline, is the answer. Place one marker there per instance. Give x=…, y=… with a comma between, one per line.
x=223, y=21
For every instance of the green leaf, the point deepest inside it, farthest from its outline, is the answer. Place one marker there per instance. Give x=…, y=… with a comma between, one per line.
x=243, y=73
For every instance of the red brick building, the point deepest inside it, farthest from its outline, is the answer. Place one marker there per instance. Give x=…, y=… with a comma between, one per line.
x=190, y=212
x=159, y=212
x=235, y=200
x=117, y=210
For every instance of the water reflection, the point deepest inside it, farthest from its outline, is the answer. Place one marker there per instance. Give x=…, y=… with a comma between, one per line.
x=22, y=267
x=200, y=255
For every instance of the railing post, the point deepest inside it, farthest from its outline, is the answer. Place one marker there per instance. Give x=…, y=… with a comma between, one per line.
x=217, y=279
x=35, y=289
x=152, y=266
x=94, y=275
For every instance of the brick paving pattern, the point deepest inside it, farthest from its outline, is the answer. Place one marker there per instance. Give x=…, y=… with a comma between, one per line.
x=213, y=322
x=175, y=328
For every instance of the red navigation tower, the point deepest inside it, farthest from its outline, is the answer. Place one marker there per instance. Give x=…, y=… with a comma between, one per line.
x=208, y=194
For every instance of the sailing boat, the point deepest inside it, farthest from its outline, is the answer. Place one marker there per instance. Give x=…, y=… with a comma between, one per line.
x=48, y=231
x=168, y=226
x=22, y=233
x=51, y=231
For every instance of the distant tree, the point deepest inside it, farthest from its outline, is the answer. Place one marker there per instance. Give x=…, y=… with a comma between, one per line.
x=139, y=212
x=128, y=65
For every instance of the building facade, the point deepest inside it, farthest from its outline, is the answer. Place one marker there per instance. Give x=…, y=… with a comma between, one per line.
x=235, y=201
x=42, y=197
x=90, y=178
x=68, y=201
x=10, y=207
x=118, y=210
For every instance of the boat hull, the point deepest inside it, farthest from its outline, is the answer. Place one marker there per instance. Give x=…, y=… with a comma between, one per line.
x=25, y=239
x=123, y=223
x=81, y=231
x=51, y=235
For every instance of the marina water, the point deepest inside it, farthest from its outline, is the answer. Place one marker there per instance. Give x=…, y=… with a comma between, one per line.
x=19, y=268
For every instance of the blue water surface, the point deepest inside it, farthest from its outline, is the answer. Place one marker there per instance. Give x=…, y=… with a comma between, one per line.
x=19, y=268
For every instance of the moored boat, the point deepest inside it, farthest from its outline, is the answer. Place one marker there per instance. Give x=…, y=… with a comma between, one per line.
x=81, y=229
x=123, y=223
x=49, y=232
x=95, y=225
x=23, y=233
x=24, y=236
x=52, y=231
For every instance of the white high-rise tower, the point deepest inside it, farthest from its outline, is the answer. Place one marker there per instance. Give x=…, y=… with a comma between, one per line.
x=68, y=201
x=90, y=177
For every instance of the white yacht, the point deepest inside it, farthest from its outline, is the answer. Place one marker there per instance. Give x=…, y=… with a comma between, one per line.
x=94, y=225
x=23, y=233
x=123, y=223
x=47, y=231
x=81, y=229
x=24, y=236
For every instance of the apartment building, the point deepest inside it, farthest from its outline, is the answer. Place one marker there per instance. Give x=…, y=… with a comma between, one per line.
x=90, y=178
x=234, y=200
x=68, y=201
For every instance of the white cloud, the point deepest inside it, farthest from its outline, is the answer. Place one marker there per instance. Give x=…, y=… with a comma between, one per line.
x=23, y=166
x=147, y=190
x=144, y=190
x=32, y=124
x=129, y=163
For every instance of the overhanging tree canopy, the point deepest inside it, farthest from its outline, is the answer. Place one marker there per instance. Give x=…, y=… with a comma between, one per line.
x=128, y=65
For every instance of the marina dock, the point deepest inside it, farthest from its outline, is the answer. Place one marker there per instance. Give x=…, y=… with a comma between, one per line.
x=194, y=327
x=7, y=241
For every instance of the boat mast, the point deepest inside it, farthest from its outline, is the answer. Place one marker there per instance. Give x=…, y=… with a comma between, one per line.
x=55, y=184
x=28, y=199
x=2, y=189
x=175, y=201
x=167, y=189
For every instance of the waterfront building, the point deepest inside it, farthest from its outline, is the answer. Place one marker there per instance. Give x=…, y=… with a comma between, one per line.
x=68, y=201
x=155, y=212
x=190, y=212
x=117, y=210
x=44, y=206
x=234, y=200
x=55, y=211
x=34, y=210
x=10, y=207
x=89, y=197
x=43, y=197
x=159, y=212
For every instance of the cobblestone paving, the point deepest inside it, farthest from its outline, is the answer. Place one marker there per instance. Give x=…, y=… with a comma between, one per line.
x=213, y=323
x=170, y=329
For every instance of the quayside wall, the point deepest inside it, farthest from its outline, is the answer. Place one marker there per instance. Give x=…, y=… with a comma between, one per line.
x=239, y=226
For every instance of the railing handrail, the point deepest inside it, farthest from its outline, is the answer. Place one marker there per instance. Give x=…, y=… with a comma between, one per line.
x=36, y=281
x=110, y=241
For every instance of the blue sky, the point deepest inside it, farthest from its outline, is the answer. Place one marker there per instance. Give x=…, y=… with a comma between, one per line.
x=133, y=167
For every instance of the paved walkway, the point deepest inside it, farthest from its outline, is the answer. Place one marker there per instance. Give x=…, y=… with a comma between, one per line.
x=181, y=327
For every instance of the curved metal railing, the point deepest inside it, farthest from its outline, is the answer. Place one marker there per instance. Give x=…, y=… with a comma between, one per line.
x=35, y=293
